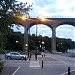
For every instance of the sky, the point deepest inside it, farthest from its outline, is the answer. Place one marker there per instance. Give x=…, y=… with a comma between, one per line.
x=52, y=8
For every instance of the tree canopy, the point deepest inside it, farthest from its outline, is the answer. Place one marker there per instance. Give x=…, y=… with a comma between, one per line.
x=9, y=9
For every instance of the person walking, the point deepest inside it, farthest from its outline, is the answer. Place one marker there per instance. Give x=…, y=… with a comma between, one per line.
x=30, y=56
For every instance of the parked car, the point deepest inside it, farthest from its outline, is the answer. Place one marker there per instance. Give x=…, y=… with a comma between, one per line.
x=71, y=52
x=15, y=55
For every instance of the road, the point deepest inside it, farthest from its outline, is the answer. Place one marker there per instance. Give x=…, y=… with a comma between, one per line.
x=54, y=64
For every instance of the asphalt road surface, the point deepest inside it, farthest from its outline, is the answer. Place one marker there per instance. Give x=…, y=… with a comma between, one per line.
x=53, y=64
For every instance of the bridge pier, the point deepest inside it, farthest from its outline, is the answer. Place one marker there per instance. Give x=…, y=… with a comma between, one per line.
x=53, y=40
x=25, y=47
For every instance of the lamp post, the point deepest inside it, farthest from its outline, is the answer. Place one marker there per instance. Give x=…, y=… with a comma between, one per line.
x=42, y=52
x=26, y=46
x=36, y=37
x=42, y=46
x=41, y=18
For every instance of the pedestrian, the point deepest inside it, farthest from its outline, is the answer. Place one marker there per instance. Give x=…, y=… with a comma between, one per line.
x=30, y=57
x=25, y=58
x=36, y=56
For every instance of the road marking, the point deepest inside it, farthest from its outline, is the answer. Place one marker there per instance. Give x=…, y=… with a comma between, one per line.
x=67, y=72
x=16, y=70
x=34, y=64
x=35, y=67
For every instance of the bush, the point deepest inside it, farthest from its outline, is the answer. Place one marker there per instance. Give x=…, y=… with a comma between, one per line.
x=2, y=51
x=1, y=65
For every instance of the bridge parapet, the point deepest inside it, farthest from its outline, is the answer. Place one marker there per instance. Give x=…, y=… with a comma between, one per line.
x=49, y=21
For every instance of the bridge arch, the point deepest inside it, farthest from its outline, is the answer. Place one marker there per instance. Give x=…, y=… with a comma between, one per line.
x=39, y=26
x=43, y=30
x=64, y=29
x=68, y=23
x=36, y=23
x=53, y=23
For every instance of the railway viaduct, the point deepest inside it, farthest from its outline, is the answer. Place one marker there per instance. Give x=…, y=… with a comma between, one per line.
x=53, y=23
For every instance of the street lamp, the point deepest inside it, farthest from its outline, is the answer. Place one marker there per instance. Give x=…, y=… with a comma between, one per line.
x=23, y=17
x=26, y=46
x=42, y=46
x=17, y=41
x=42, y=52
x=42, y=42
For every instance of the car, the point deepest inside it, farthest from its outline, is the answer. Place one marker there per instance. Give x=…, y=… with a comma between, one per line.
x=46, y=51
x=71, y=52
x=58, y=52
x=15, y=55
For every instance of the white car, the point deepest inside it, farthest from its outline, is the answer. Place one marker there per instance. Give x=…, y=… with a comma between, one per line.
x=71, y=53
x=15, y=55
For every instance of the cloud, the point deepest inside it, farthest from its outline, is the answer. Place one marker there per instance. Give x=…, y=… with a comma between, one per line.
x=41, y=30
x=66, y=31
x=54, y=8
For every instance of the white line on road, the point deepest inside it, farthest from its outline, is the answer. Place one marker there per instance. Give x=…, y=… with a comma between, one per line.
x=34, y=64
x=67, y=72
x=16, y=70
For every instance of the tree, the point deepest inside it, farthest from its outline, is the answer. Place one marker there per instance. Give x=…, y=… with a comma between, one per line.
x=9, y=9
x=64, y=44
x=47, y=43
x=14, y=41
x=32, y=45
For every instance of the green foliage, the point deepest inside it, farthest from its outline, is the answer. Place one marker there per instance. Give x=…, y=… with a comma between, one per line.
x=11, y=43
x=37, y=42
x=32, y=44
x=64, y=44
x=5, y=15
x=34, y=51
x=1, y=65
x=9, y=9
x=2, y=51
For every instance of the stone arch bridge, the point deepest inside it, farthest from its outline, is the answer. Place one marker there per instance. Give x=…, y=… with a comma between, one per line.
x=53, y=23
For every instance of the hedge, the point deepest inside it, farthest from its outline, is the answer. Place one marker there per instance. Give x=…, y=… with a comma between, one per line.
x=1, y=65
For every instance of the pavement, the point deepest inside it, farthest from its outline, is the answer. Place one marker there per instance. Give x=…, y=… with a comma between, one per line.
x=53, y=64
